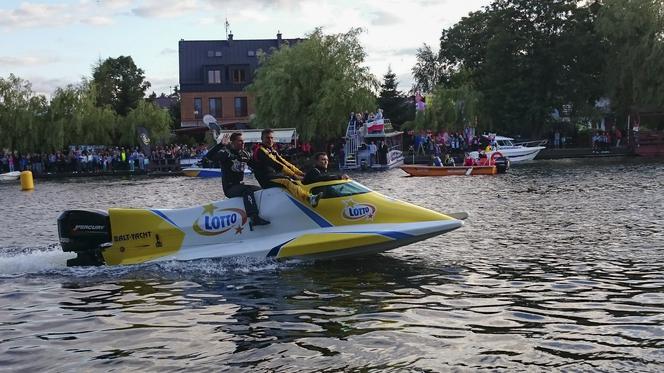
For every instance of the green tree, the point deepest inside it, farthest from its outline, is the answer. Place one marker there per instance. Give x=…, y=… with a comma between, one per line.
x=396, y=106
x=21, y=115
x=313, y=85
x=156, y=120
x=76, y=120
x=427, y=71
x=634, y=70
x=120, y=84
x=175, y=109
x=526, y=58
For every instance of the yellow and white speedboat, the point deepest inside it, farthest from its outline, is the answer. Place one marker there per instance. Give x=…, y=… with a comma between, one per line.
x=350, y=219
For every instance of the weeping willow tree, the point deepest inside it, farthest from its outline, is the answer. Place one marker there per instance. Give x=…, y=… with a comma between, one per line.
x=450, y=109
x=148, y=115
x=313, y=85
x=74, y=117
x=634, y=70
x=21, y=115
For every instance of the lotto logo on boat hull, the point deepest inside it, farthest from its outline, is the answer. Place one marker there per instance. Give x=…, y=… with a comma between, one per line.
x=358, y=211
x=214, y=221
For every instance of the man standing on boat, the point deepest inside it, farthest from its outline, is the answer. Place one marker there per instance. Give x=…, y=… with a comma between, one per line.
x=272, y=170
x=234, y=159
x=319, y=171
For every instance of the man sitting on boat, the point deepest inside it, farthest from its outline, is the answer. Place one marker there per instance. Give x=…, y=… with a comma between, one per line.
x=319, y=171
x=233, y=159
x=272, y=170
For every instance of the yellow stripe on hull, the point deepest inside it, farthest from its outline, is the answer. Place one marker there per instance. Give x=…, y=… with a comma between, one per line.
x=139, y=235
x=312, y=244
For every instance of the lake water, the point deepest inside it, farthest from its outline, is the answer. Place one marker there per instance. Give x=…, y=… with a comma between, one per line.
x=560, y=266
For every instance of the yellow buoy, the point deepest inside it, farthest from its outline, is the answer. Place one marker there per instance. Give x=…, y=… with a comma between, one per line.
x=26, y=181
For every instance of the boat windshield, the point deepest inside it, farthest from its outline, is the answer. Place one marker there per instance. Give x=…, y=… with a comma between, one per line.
x=350, y=188
x=504, y=143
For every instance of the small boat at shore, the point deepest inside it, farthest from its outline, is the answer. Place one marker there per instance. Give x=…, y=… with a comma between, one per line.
x=10, y=176
x=349, y=220
x=496, y=164
x=515, y=152
x=421, y=170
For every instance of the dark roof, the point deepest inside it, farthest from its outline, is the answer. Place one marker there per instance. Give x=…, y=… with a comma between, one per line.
x=195, y=56
x=164, y=101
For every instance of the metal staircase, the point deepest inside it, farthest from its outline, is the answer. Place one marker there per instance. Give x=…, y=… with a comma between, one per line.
x=351, y=147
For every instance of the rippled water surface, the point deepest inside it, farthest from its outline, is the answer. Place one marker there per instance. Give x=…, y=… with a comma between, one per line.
x=560, y=266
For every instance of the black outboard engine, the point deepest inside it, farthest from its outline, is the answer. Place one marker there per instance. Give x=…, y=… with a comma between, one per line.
x=502, y=164
x=85, y=232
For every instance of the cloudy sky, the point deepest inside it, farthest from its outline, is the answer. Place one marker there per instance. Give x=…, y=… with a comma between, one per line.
x=55, y=43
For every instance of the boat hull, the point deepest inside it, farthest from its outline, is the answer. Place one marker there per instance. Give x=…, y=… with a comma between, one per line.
x=415, y=170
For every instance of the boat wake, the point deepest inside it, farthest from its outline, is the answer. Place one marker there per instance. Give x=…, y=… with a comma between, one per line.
x=51, y=261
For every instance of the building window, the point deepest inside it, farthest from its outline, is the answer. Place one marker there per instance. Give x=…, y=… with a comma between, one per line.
x=251, y=53
x=198, y=108
x=214, y=76
x=217, y=53
x=239, y=76
x=210, y=53
x=215, y=106
x=240, y=106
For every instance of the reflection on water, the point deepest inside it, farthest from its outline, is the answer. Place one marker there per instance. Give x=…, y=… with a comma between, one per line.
x=559, y=267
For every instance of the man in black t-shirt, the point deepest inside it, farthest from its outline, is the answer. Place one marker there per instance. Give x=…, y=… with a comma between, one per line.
x=234, y=159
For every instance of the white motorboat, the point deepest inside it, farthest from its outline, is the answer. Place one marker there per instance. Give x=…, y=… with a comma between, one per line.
x=10, y=176
x=516, y=153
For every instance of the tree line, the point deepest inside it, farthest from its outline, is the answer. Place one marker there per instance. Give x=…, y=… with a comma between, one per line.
x=104, y=110
x=511, y=65
x=516, y=66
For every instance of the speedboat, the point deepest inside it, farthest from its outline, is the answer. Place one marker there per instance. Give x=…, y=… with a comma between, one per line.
x=9, y=176
x=350, y=219
x=516, y=153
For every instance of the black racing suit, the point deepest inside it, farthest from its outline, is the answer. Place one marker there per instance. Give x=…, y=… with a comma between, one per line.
x=233, y=163
x=272, y=170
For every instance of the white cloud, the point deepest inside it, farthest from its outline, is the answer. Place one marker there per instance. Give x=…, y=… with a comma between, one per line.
x=26, y=61
x=166, y=8
x=35, y=15
x=97, y=21
x=47, y=86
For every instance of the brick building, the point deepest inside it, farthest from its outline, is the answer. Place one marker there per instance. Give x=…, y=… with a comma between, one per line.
x=214, y=75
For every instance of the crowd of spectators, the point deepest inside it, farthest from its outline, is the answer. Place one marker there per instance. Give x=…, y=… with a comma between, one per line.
x=444, y=142
x=96, y=159
x=107, y=159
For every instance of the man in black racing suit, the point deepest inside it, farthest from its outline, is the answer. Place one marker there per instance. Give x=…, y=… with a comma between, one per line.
x=233, y=159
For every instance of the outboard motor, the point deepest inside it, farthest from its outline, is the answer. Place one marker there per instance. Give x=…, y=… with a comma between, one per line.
x=85, y=232
x=502, y=164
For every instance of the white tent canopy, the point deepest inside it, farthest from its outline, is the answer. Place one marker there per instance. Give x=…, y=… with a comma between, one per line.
x=282, y=135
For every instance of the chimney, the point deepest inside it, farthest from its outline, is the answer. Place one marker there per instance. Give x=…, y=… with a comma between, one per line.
x=230, y=36
x=278, y=37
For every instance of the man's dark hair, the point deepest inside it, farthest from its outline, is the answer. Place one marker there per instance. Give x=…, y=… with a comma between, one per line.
x=266, y=131
x=318, y=155
x=235, y=135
